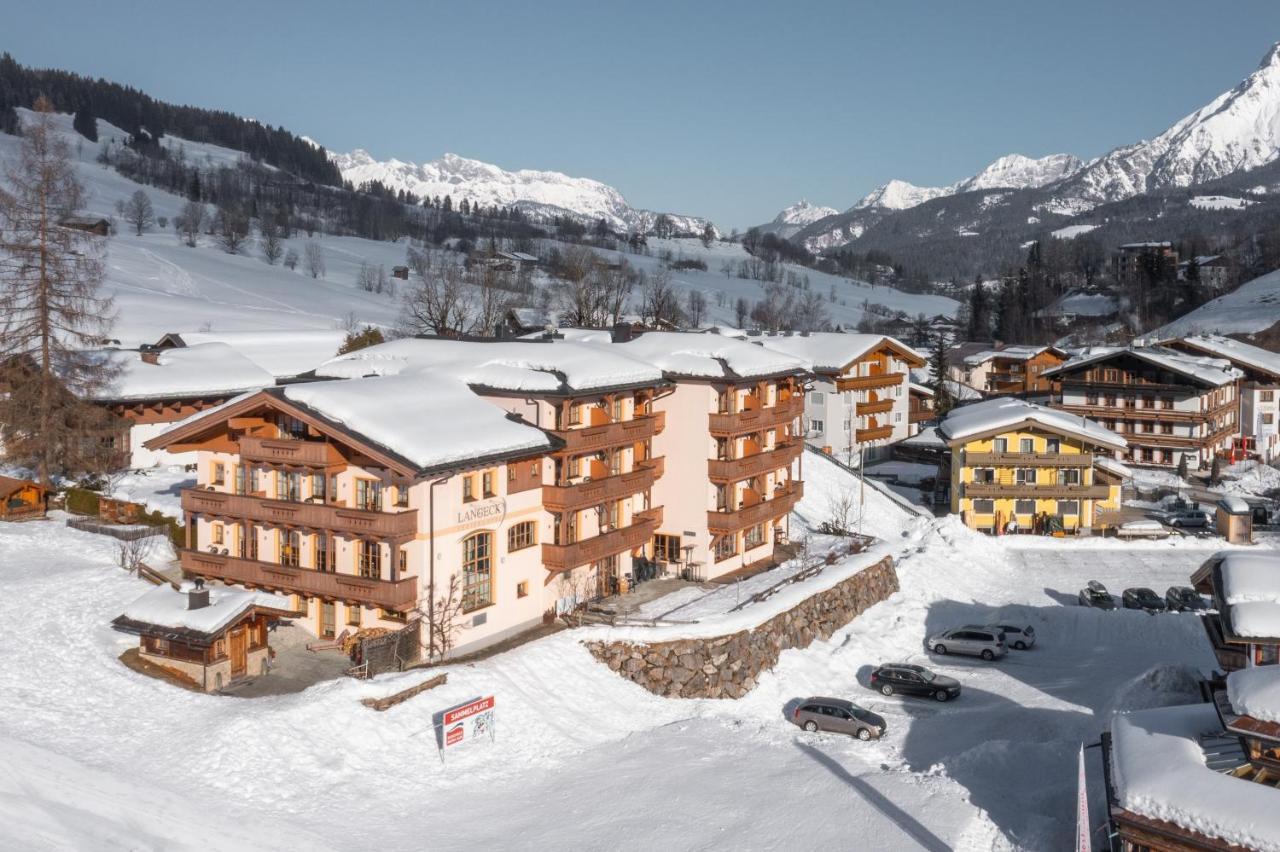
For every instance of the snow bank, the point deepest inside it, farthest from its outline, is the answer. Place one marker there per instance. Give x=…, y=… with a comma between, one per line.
x=1256, y=692
x=1250, y=478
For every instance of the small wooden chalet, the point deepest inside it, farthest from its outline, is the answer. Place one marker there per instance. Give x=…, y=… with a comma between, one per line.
x=209, y=636
x=92, y=224
x=22, y=499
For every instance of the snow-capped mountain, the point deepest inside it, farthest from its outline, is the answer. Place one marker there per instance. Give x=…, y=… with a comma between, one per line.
x=797, y=216
x=541, y=194
x=1013, y=171
x=1236, y=131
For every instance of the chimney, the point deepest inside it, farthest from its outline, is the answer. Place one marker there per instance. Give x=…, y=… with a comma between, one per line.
x=622, y=332
x=197, y=595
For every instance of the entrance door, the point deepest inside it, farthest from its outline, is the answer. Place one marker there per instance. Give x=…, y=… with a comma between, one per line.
x=327, y=620
x=238, y=649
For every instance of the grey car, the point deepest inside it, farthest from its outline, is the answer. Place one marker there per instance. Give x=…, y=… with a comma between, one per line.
x=984, y=642
x=1018, y=638
x=839, y=716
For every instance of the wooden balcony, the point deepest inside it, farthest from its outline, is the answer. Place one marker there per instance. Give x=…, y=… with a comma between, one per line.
x=722, y=523
x=1029, y=459
x=592, y=438
x=876, y=434
x=996, y=489
x=582, y=495
x=563, y=557
x=349, y=523
x=919, y=415
x=872, y=382
x=399, y=595
x=757, y=418
x=288, y=451
x=880, y=406
x=734, y=470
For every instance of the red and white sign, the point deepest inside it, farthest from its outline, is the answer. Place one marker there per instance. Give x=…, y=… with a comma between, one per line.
x=1084, y=832
x=467, y=722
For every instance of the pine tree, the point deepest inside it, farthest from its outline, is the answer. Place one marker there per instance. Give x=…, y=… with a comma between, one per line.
x=942, y=399
x=85, y=123
x=979, y=312
x=51, y=313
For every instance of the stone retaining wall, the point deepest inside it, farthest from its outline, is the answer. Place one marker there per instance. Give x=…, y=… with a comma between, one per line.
x=728, y=666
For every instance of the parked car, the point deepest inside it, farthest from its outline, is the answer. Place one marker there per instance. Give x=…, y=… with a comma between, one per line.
x=838, y=716
x=910, y=679
x=1018, y=638
x=984, y=642
x=1188, y=519
x=1096, y=595
x=1184, y=599
x=1142, y=598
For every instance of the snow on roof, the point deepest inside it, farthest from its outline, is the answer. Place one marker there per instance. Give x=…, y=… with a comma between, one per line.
x=1235, y=505
x=926, y=437
x=916, y=387
x=280, y=352
x=581, y=335
x=1255, y=620
x=1001, y=412
x=1237, y=352
x=165, y=606
x=1256, y=692
x=526, y=366
x=209, y=368
x=1162, y=244
x=1249, y=577
x=1112, y=466
x=1211, y=371
x=1081, y=304
x=1013, y=353
x=828, y=350
x=1159, y=771
x=431, y=419
x=708, y=355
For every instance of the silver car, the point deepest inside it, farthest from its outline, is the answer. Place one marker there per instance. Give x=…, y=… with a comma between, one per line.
x=984, y=642
x=838, y=715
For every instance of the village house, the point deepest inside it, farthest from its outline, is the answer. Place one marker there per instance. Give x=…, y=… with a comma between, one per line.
x=95, y=225
x=1004, y=369
x=1021, y=467
x=858, y=402
x=1166, y=404
x=22, y=499
x=1258, y=388
x=1133, y=262
x=1213, y=270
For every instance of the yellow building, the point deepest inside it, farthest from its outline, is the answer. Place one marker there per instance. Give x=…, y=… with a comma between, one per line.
x=1020, y=467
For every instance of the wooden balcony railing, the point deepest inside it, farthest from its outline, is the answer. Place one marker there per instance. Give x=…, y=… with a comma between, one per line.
x=720, y=523
x=350, y=523
x=568, y=498
x=733, y=470
x=880, y=406
x=563, y=557
x=592, y=438
x=996, y=489
x=255, y=450
x=399, y=595
x=1029, y=459
x=883, y=380
x=864, y=435
x=919, y=415
x=757, y=418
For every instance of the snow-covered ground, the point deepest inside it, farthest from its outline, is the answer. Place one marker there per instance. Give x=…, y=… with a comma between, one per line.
x=1219, y=202
x=1253, y=306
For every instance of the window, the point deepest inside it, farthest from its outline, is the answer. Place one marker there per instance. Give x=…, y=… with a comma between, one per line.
x=402, y=562
x=1068, y=507
x=521, y=536
x=392, y=615
x=1268, y=418
x=816, y=426
x=1069, y=476
x=1266, y=395
x=984, y=474
x=353, y=616
x=322, y=553
x=1091, y=398
x=897, y=417
x=369, y=558
x=333, y=486
x=984, y=507
x=1000, y=445
x=219, y=473
x=1111, y=400
x=1266, y=655
x=291, y=427
x=754, y=537
x=1024, y=507
x=617, y=409
x=369, y=495
x=1166, y=402
x=218, y=534
x=1148, y=427
x=317, y=486
x=288, y=486
x=1148, y=402
x=1167, y=428
x=290, y=547
x=402, y=496
x=522, y=589
x=477, y=571
x=469, y=486
x=816, y=397
x=1025, y=476
x=726, y=546
x=486, y=484
x=666, y=548
x=241, y=479
x=1026, y=445
x=1052, y=445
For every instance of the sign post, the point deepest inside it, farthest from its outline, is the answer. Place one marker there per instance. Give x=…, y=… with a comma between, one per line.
x=464, y=723
x=1084, y=835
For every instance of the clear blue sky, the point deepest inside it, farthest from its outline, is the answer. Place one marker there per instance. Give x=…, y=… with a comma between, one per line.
x=730, y=110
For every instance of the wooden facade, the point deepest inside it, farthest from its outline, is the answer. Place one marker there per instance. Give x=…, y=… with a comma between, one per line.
x=22, y=499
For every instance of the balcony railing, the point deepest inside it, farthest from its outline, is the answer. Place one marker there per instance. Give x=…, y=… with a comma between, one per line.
x=733, y=470
x=399, y=595
x=289, y=451
x=864, y=435
x=883, y=380
x=1029, y=459
x=919, y=415
x=568, y=498
x=720, y=523
x=562, y=557
x=593, y=438
x=757, y=418
x=351, y=523
x=996, y=489
x=880, y=406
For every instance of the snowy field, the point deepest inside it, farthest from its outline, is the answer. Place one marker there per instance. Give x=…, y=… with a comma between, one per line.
x=1253, y=306
x=100, y=757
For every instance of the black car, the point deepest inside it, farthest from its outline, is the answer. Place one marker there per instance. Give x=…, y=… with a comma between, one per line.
x=1096, y=595
x=1184, y=599
x=910, y=679
x=1142, y=598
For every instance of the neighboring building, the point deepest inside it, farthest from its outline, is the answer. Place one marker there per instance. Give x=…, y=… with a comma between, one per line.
x=1004, y=369
x=1079, y=306
x=919, y=407
x=22, y=499
x=731, y=450
x=1244, y=625
x=401, y=272
x=858, y=401
x=1018, y=466
x=1214, y=271
x=208, y=637
x=92, y=224
x=1166, y=404
x=1259, y=388
x=1133, y=261
x=285, y=354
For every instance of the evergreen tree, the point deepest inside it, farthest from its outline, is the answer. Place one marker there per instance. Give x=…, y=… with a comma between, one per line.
x=979, y=312
x=942, y=399
x=85, y=123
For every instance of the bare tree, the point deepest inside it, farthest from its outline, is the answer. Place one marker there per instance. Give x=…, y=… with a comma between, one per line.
x=231, y=226
x=615, y=285
x=437, y=304
x=291, y=258
x=810, y=312
x=134, y=553
x=51, y=312
x=491, y=297
x=843, y=513
x=313, y=257
x=190, y=222
x=708, y=235
x=444, y=621
x=659, y=303
x=367, y=277
x=696, y=307
x=272, y=245
x=139, y=213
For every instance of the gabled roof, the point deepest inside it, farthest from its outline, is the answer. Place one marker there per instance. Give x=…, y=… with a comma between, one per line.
x=708, y=356
x=1209, y=372
x=163, y=611
x=1015, y=352
x=1006, y=413
x=10, y=486
x=826, y=351
x=282, y=353
x=1239, y=353
x=206, y=369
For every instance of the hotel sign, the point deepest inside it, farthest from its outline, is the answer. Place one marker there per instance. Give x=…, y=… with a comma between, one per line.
x=483, y=513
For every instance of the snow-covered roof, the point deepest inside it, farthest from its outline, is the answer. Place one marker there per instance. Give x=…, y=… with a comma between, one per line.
x=708, y=355
x=1110, y=465
x=827, y=350
x=431, y=419
x=1082, y=305
x=581, y=335
x=1002, y=412
x=1161, y=244
x=1237, y=352
x=1256, y=692
x=1012, y=353
x=916, y=387
x=1234, y=504
x=1249, y=577
x=1214, y=372
x=926, y=437
x=165, y=606
x=209, y=368
x=1159, y=771
x=523, y=366
x=1255, y=620
x=280, y=352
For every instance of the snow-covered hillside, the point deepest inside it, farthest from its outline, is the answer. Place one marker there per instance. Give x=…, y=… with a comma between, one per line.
x=1251, y=307
x=799, y=215
x=1013, y=171
x=541, y=194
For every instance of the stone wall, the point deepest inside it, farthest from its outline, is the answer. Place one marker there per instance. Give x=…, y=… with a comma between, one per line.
x=728, y=666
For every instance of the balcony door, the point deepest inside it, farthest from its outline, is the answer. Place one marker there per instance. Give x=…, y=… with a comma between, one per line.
x=288, y=486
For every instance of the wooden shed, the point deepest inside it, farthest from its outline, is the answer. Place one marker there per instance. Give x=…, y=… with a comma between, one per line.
x=22, y=499
x=1234, y=518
